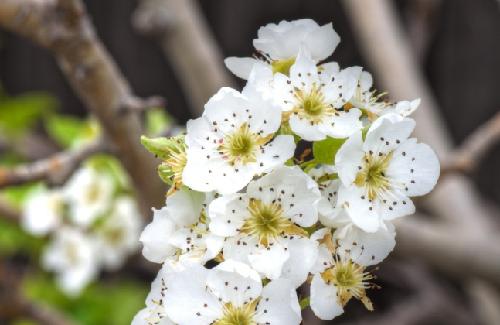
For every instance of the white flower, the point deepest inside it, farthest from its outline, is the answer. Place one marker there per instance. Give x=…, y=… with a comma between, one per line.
x=370, y=101
x=315, y=98
x=279, y=44
x=350, y=241
x=73, y=256
x=339, y=280
x=43, y=212
x=154, y=312
x=89, y=194
x=229, y=294
x=231, y=143
x=180, y=230
x=381, y=173
x=264, y=224
x=118, y=235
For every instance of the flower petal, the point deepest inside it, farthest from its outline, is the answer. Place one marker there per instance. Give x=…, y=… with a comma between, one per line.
x=324, y=301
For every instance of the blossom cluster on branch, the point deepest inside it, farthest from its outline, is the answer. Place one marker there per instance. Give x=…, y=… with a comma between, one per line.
x=294, y=180
x=90, y=223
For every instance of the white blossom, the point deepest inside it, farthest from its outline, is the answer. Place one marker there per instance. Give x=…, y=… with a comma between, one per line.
x=118, y=235
x=73, y=256
x=381, y=173
x=232, y=142
x=229, y=294
x=180, y=230
x=314, y=99
x=264, y=224
x=278, y=45
x=43, y=212
x=88, y=193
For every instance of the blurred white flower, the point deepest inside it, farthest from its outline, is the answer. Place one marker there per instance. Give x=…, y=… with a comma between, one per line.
x=43, y=212
x=73, y=256
x=89, y=194
x=278, y=45
x=315, y=99
x=231, y=293
x=232, y=142
x=381, y=173
x=118, y=235
x=264, y=225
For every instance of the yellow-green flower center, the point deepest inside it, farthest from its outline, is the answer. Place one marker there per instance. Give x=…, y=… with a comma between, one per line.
x=176, y=162
x=372, y=175
x=282, y=66
x=350, y=279
x=241, y=146
x=267, y=222
x=238, y=315
x=311, y=105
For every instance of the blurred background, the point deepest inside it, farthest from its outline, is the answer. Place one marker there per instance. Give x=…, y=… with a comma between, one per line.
x=448, y=49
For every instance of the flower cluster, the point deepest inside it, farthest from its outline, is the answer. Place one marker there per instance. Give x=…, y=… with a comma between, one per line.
x=91, y=223
x=296, y=179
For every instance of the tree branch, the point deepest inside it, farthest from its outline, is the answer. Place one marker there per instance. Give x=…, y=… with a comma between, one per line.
x=64, y=28
x=468, y=156
x=188, y=43
x=55, y=169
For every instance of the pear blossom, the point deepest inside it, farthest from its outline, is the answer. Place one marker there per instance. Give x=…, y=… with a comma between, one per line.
x=278, y=45
x=230, y=294
x=73, y=256
x=232, y=142
x=117, y=237
x=154, y=312
x=88, y=194
x=43, y=212
x=179, y=230
x=314, y=99
x=381, y=173
x=264, y=225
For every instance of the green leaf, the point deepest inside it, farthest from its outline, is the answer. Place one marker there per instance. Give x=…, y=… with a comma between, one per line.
x=69, y=131
x=160, y=147
x=157, y=120
x=19, y=114
x=324, y=151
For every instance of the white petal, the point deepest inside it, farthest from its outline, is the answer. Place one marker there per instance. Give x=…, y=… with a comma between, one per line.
x=227, y=214
x=349, y=158
x=156, y=236
x=186, y=299
x=303, y=128
x=239, y=248
x=279, y=304
x=184, y=207
x=42, y=212
x=387, y=133
x=322, y=42
x=303, y=255
x=269, y=261
x=235, y=283
x=343, y=125
x=276, y=153
x=241, y=67
x=414, y=167
x=362, y=247
x=304, y=73
x=324, y=302
x=362, y=212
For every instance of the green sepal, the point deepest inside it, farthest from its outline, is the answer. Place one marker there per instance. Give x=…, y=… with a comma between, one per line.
x=160, y=147
x=165, y=173
x=324, y=151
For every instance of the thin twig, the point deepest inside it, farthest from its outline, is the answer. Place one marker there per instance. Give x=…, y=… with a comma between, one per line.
x=187, y=41
x=55, y=169
x=469, y=155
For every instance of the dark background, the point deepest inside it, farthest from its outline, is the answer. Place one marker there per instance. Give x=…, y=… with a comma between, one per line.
x=461, y=63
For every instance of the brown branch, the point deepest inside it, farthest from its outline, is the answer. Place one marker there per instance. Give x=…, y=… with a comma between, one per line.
x=450, y=249
x=8, y=212
x=469, y=155
x=55, y=170
x=64, y=28
x=188, y=43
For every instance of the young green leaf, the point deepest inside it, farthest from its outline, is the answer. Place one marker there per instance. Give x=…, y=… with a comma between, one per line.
x=324, y=151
